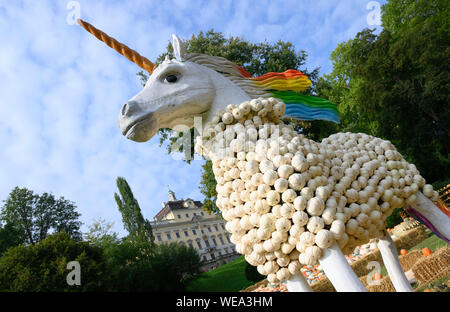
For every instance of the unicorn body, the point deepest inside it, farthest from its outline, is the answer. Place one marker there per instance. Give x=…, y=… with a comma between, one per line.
x=234, y=106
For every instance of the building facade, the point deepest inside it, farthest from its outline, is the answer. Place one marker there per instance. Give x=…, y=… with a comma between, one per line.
x=185, y=222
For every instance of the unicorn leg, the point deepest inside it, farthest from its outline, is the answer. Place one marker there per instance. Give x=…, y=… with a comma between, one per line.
x=389, y=254
x=431, y=216
x=298, y=283
x=339, y=272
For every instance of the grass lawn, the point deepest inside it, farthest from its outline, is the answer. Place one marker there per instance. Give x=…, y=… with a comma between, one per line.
x=433, y=242
x=228, y=277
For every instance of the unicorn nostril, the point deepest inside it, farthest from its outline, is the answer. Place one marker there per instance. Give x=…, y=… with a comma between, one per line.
x=124, y=109
x=129, y=108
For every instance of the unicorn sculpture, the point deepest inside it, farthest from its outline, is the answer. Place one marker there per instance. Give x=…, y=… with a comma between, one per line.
x=288, y=201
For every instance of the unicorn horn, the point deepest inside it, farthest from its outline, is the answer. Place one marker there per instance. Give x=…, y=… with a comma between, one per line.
x=130, y=54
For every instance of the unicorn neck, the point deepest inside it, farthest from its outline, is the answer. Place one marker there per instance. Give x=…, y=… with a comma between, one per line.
x=226, y=93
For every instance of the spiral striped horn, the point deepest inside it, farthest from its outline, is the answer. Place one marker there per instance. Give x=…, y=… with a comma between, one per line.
x=130, y=54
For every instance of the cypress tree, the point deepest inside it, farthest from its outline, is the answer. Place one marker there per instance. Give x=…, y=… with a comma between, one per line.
x=134, y=222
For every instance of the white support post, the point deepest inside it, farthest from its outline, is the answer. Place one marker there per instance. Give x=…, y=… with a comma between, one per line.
x=298, y=283
x=339, y=272
x=389, y=254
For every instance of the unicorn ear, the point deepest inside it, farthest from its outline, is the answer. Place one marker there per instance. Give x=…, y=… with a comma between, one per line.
x=178, y=48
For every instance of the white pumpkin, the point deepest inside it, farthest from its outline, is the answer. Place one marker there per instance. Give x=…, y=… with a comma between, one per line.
x=315, y=206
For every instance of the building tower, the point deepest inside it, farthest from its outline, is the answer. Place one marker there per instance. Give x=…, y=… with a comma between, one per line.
x=171, y=195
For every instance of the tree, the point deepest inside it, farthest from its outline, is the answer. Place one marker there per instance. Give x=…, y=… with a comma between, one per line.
x=257, y=59
x=100, y=234
x=137, y=226
x=43, y=266
x=173, y=264
x=395, y=85
x=9, y=237
x=208, y=188
x=35, y=216
x=139, y=266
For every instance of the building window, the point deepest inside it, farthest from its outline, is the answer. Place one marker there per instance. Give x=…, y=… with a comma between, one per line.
x=179, y=216
x=186, y=233
x=202, y=213
x=159, y=238
x=199, y=244
x=209, y=228
x=168, y=236
x=195, y=214
x=187, y=215
x=221, y=240
x=228, y=238
x=215, y=226
x=194, y=232
x=219, y=253
x=214, y=241
x=190, y=244
x=207, y=243
x=223, y=226
x=177, y=234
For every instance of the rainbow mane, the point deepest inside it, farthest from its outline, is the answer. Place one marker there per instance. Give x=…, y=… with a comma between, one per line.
x=286, y=86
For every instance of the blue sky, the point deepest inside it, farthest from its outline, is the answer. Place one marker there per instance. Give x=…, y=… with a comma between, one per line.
x=61, y=90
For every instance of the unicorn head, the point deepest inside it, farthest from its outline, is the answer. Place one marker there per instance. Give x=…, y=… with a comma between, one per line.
x=197, y=85
x=177, y=91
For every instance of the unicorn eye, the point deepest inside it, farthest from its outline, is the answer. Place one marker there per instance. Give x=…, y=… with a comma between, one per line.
x=171, y=78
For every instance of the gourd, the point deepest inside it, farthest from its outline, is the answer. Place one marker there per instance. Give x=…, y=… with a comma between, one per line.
x=426, y=252
x=324, y=239
x=315, y=206
x=377, y=276
x=273, y=198
x=300, y=218
x=315, y=224
x=307, y=239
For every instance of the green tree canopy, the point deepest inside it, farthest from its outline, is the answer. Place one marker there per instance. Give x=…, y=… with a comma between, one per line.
x=100, y=234
x=395, y=85
x=35, y=216
x=9, y=237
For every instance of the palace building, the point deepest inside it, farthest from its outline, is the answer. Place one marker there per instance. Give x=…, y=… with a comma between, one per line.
x=184, y=221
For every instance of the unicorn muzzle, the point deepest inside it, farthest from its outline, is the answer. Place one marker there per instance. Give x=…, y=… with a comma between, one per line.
x=137, y=124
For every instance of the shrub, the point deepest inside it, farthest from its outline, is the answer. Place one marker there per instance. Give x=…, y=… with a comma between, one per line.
x=43, y=266
x=138, y=266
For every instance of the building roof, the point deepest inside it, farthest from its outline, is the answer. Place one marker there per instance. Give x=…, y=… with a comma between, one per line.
x=174, y=205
